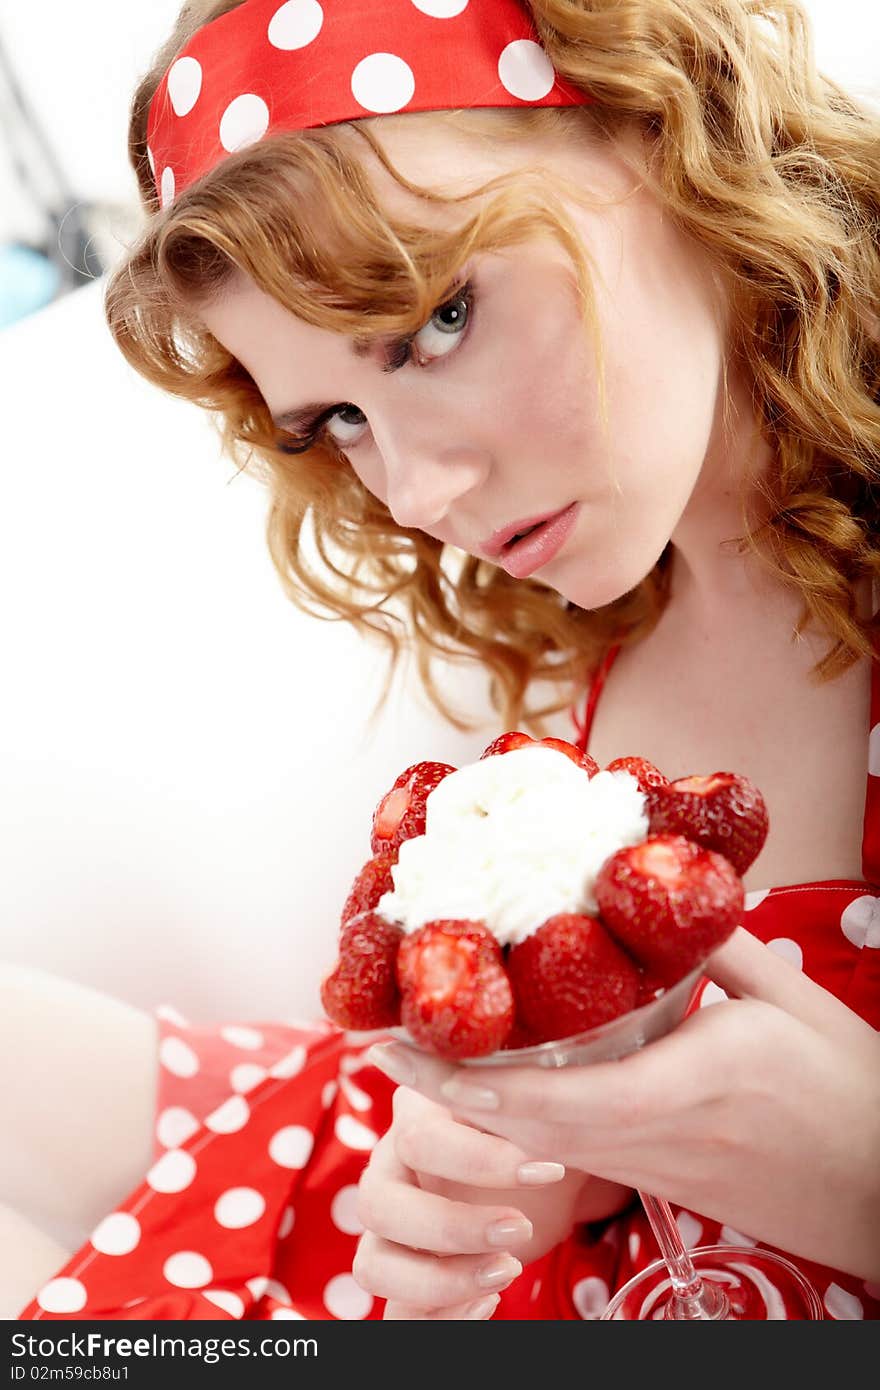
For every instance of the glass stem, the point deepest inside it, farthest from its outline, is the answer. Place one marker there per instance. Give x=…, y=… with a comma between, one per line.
x=692, y=1297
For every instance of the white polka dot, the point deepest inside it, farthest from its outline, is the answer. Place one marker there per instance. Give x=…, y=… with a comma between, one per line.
x=874, y=751
x=634, y=1245
x=248, y=1038
x=755, y=898
x=728, y=1236
x=590, y=1297
x=117, y=1234
x=691, y=1229
x=173, y=1172
x=291, y=1064
x=174, y=1126
x=352, y=1062
x=789, y=950
x=258, y=1286
x=229, y=1117
x=343, y=1211
x=245, y=120
x=184, y=85
x=525, y=70
x=860, y=922
x=346, y=1299
x=357, y=1099
x=842, y=1305
x=280, y=1313
x=275, y=1289
x=168, y=187
x=172, y=1015
x=178, y=1057
x=353, y=1134
x=62, y=1296
x=441, y=9
x=152, y=164
x=292, y=1146
x=295, y=25
x=229, y=1302
x=383, y=83
x=712, y=994
x=285, y=1225
x=246, y=1076
x=187, y=1270
x=328, y=1093
x=239, y=1207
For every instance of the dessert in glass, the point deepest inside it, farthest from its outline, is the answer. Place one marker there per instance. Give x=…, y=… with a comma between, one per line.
x=533, y=909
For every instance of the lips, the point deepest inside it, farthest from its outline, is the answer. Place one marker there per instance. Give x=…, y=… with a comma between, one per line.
x=496, y=543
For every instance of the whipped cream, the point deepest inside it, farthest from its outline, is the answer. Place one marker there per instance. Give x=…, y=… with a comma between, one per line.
x=512, y=840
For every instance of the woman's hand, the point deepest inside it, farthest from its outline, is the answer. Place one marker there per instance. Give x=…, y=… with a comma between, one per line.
x=451, y=1214
x=762, y=1112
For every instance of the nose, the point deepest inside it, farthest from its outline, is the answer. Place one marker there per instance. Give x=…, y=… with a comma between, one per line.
x=423, y=482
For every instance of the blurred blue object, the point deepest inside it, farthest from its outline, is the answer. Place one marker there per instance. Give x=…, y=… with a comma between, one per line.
x=28, y=281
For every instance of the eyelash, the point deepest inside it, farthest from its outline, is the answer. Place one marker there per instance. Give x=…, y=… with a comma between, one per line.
x=316, y=429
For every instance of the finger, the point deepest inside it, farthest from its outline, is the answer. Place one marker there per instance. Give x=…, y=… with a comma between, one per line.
x=606, y=1095
x=465, y=1312
x=441, y=1147
x=745, y=968
x=405, y=1214
x=427, y=1281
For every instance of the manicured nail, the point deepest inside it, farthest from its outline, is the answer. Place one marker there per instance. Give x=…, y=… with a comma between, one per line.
x=484, y=1309
x=470, y=1097
x=534, y=1174
x=509, y=1231
x=394, y=1062
x=498, y=1271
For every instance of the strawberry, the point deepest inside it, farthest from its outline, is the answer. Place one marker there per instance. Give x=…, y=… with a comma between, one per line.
x=569, y=976
x=519, y=1036
x=505, y=743
x=456, y=997
x=361, y=992
x=645, y=773
x=725, y=813
x=373, y=880
x=650, y=988
x=400, y=814
x=583, y=760
x=669, y=903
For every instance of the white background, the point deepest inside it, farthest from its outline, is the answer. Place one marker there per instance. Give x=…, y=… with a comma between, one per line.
x=186, y=776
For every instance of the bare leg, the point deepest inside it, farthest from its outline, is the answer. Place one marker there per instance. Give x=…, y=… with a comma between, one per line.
x=29, y=1260
x=78, y=1077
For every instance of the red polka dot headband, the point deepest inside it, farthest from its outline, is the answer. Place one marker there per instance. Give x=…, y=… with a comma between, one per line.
x=268, y=66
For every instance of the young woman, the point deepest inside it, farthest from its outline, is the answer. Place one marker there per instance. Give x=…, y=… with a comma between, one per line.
x=641, y=294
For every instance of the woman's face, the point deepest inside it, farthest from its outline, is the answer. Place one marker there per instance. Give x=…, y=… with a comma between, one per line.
x=498, y=419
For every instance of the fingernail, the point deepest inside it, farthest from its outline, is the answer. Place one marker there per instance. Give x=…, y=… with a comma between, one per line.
x=470, y=1097
x=499, y=1271
x=505, y=1232
x=533, y=1174
x=483, y=1309
x=394, y=1062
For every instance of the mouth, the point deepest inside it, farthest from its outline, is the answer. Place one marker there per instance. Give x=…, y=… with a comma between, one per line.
x=534, y=547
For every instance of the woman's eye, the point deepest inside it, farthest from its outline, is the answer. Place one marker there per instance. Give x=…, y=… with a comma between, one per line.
x=437, y=338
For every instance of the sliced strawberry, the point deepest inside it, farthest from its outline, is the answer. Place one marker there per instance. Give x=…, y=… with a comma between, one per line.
x=669, y=903
x=362, y=992
x=570, y=975
x=456, y=997
x=645, y=773
x=401, y=813
x=505, y=743
x=570, y=750
x=724, y=812
x=373, y=880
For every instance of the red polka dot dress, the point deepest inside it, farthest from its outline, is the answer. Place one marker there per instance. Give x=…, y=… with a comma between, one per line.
x=262, y=1131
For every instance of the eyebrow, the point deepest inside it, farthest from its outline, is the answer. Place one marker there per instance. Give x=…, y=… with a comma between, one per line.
x=396, y=356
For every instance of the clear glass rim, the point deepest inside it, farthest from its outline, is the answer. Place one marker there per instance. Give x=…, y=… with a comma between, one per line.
x=616, y=1038
x=702, y=1255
